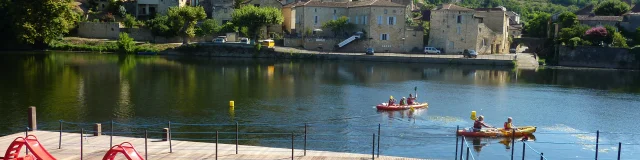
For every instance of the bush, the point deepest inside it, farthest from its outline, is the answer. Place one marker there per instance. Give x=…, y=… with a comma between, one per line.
x=130, y=21
x=575, y=41
x=258, y=47
x=126, y=44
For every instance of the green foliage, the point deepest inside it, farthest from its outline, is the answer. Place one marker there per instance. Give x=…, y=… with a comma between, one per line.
x=258, y=47
x=107, y=47
x=184, y=20
x=114, y=7
x=228, y=27
x=637, y=36
x=339, y=25
x=255, y=18
x=108, y=18
x=567, y=19
x=208, y=27
x=611, y=8
x=36, y=22
x=575, y=41
x=537, y=26
x=130, y=21
x=619, y=40
x=566, y=35
x=160, y=26
x=425, y=29
x=244, y=31
x=122, y=11
x=126, y=44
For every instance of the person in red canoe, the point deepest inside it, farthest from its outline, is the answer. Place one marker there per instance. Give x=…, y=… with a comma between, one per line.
x=411, y=100
x=403, y=101
x=391, y=101
x=477, y=125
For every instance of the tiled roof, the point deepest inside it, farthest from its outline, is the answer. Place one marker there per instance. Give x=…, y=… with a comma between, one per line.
x=599, y=18
x=635, y=9
x=587, y=10
x=316, y=3
x=453, y=7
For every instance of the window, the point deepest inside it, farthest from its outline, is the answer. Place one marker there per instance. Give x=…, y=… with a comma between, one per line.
x=459, y=19
x=384, y=37
x=458, y=29
x=315, y=10
x=356, y=22
x=391, y=21
x=348, y=19
x=315, y=19
x=379, y=20
x=385, y=11
x=451, y=45
x=226, y=10
x=364, y=19
x=479, y=29
x=334, y=11
x=443, y=20
x=484, y=43
x=335, y=17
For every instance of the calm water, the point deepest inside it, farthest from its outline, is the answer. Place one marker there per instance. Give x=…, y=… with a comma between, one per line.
x=335, y=98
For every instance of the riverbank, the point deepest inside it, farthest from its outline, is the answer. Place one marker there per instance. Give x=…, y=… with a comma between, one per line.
x=247, y=51
x=105, y=45
x=94, y=147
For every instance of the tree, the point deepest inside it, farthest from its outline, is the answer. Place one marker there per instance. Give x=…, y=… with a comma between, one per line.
x=339, y=25
x=126, y=43
x=619, y=40
x=255, y=18
x=130, y=21
x=39, y=22
x=160, y=26
x=567, y=19
x=425, y=28
x=184, y=20
x=208, y=27
x=596, y=35
x=611, y=8
x=567, y=34
x=537, y=26
x=237, y=4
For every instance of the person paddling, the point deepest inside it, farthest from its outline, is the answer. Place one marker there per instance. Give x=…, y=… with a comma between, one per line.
x=391, y=101
x=509, y=124
x=411, y=100
x=477, y=125
x=403, y=101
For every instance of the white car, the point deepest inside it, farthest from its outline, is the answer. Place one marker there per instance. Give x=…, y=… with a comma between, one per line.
x=219, y=40
x=245, y=41
x=431, y=50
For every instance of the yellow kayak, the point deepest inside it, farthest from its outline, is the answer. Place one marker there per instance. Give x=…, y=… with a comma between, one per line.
x=498, y=132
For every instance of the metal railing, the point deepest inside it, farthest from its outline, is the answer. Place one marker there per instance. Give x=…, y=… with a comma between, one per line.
x=303, y=134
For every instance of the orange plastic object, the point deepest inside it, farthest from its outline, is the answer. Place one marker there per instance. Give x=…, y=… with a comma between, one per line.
x=125, y=148
x=36, y=149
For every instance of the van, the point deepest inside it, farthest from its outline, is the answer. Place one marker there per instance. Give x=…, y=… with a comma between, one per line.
x=268, y=43
x=431, y=50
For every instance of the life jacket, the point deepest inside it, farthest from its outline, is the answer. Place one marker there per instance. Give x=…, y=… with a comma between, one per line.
x=477, y=124
x=507, y=125
x=410, y=101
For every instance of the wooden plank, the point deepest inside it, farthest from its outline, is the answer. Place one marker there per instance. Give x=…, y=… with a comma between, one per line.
x=94, y=147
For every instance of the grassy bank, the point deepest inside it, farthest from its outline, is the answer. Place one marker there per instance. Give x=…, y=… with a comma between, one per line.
x=103, y=45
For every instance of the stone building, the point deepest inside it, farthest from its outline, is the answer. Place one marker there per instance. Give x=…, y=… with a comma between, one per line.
x=379, y=24
x=145, y=9
x=631, y=20
x=455, y=28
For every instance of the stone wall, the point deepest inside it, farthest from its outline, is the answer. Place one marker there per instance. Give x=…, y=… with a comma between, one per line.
x=145, y=35
x=102, y=30
x=597, y=57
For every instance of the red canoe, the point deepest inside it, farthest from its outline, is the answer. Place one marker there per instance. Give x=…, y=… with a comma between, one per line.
x=384, y=106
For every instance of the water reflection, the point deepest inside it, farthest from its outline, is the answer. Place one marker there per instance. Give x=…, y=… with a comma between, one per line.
x=480, y=142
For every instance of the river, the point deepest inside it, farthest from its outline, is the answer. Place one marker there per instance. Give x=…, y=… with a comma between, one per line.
x=335, y=98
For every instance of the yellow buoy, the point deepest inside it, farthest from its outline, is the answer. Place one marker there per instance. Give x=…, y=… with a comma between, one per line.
x=231, y=104
x=411, y=109
x=473, y=115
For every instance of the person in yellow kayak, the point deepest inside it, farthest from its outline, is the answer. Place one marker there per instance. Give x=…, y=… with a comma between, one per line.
x=477, y=125
x=509, y=124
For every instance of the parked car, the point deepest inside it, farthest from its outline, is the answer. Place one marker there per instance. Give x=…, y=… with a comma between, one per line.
x=469, y=53
x=219, y=40
x=370, y=51
x=512, y=50
x=245, y=41
x=431, y=50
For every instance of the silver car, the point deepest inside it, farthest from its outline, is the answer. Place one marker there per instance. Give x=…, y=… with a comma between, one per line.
x=431, y=50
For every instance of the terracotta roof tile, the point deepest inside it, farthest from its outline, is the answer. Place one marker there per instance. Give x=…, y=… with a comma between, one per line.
x=453, y=7
x=599, y=18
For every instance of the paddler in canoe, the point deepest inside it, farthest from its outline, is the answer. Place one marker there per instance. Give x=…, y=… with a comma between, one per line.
x=477, y=125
